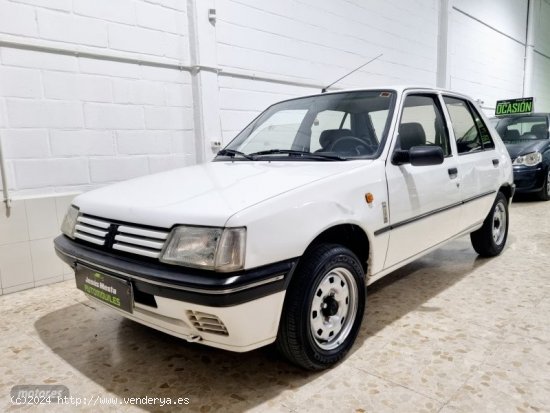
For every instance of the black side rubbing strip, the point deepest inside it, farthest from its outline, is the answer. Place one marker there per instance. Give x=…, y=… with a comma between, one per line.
x=430, y=213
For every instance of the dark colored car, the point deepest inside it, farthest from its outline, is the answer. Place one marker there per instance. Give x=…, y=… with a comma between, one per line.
x=527, y=139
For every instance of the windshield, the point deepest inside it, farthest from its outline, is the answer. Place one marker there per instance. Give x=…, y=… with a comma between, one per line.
x=521, y=128
x=335, y=126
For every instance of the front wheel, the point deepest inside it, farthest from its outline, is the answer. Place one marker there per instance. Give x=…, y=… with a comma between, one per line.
x=490, y=239
x=323, y=308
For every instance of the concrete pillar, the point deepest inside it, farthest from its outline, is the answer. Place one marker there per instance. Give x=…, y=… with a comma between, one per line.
x=529, y=67
x=204, y=76
x=443, y=45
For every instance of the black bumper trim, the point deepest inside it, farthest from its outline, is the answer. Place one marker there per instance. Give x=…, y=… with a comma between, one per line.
x=184, y=284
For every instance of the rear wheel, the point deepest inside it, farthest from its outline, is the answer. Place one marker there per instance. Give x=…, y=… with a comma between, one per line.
x=323, y=308
x=544, y=193
x=490, y=239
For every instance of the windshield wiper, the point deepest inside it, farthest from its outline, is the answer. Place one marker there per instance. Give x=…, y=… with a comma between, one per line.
x=232, y=153
x=301, y=154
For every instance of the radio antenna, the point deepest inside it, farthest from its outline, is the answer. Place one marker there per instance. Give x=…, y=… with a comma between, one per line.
x=353, y=71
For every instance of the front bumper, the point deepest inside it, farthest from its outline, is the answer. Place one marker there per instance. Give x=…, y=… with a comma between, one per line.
x=168, y=298
x=529, y=178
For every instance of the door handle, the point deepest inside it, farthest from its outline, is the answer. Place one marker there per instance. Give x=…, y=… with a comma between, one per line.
x=453, y=172
x=495, y=162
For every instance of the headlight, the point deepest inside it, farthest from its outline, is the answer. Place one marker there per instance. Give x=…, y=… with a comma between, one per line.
x=219, y=249
x=530, y=159
x=69, y=222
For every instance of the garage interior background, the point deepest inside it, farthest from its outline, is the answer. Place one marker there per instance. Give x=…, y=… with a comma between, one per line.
x=98, y=91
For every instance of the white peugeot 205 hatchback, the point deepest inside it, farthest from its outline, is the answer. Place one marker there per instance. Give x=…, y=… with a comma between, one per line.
x=276, y=239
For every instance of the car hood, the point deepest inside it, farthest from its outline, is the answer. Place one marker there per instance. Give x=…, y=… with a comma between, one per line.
x=206, y=194
x=522, y=147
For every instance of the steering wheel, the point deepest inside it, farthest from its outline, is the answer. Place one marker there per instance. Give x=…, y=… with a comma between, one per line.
x=350, y=144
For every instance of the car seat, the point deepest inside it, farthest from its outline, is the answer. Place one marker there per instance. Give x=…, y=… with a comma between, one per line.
x=512, y=135
x=540, y=130
x=411, y=134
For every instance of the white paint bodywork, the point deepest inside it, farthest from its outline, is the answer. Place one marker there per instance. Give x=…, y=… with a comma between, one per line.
x=285, y=205
x=251, y=325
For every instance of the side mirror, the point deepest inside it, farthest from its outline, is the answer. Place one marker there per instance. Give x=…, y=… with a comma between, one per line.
x=426, y=155
x=419, y=156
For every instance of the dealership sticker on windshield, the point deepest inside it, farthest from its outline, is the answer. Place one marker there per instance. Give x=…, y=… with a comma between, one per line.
x=514, y=106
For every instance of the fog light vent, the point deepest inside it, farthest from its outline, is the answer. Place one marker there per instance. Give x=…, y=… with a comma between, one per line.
x=208, y=323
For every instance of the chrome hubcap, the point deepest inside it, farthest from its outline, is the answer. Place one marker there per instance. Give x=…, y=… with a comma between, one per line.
x=333, y=308
x=499, y=223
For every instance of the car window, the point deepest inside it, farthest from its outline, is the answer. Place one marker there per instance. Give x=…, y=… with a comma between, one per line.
x=279, y=131
x=486, y=139
x=422, y=124
x=378, y=121
x=327, y=120
x=515, y=128
x=470, y=131
x=320, y=127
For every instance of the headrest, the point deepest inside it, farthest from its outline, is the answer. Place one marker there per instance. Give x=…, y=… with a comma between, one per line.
x=541, y=130
x=512, y=135
x=411, y=134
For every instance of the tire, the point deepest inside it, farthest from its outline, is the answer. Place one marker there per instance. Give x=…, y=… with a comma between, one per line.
x=490, y=239
x=544, y=194
x=323, y=308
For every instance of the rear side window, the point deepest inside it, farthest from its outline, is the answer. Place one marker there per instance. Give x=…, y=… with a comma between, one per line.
x=470, y=131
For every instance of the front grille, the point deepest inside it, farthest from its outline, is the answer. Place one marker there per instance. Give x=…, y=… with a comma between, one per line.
x=208, y=323
x=122, y=237
x=91, y=230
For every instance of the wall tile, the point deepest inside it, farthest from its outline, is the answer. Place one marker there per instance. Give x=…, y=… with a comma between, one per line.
x=45, y=262
x=15, y=265
x=17, y=288
x=42, y=217
x=15, y=228
x=47, y=281
x=62, y=204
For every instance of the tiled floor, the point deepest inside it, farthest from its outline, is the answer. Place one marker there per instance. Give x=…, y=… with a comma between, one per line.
x=448, y=333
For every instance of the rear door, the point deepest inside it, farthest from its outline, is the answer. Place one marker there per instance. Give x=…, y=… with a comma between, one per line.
x=424, y=201
x=478, y=161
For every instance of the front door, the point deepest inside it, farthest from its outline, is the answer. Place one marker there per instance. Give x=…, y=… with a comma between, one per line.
x=424, y=201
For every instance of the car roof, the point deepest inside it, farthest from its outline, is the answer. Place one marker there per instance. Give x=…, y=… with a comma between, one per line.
x=397, y=88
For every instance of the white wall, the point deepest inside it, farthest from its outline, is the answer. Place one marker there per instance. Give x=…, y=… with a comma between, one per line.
x=27, y=257
x=73, y=123
x=97, y=91
x=507, y=16
x=316, y=42
x=487, y=50
x=541, y=78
